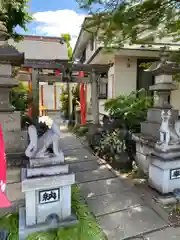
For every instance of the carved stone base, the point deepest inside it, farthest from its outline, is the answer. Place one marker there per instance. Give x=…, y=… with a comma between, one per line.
x=24, y=231
x=47, y=171
x=164, y=175
x=38, y=162
x=169, y=152
x=47, y=195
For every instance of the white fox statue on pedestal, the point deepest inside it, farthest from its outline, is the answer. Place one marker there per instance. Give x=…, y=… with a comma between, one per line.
x=37, y=147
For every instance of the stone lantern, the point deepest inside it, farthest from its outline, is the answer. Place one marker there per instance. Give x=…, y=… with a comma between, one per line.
x=10, y=119
x=158, y=144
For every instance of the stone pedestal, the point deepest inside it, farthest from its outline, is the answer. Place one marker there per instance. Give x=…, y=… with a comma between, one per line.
x=144, y=147
x=160, y=161
x=47, y=191
x=164, y=173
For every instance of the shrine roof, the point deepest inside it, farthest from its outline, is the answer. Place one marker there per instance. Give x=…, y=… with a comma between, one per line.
x=39, y=47
x=164, y=66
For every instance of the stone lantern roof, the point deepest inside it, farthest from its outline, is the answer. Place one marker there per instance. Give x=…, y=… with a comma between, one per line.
x=164, y=66
x=8, y=54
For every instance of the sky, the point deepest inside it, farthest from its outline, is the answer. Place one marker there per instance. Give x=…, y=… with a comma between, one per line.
x=54, y=17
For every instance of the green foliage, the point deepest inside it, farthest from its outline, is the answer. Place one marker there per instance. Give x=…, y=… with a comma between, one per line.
x=133, y=21
x=76, y=94
x=75, y=99
x=114, y=143
x=19, y=97
x=131, y=110
x=111, y=143
x=86, y=229
x=80, y=130
x=15, y=13
x=67, y=38
x=64, y=101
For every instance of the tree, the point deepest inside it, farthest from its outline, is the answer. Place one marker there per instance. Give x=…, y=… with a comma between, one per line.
x=135, y=21
x=67, y=38
x=14, y=13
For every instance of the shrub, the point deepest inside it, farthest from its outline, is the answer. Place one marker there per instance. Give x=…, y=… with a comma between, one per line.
x=64, y=101
x=130, y=110
x=75, y=99
x=115, y=141
x=19, y=97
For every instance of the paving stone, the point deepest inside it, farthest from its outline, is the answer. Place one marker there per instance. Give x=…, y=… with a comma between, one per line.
x=131, y=222
x=79, y=151
x=76, y=159
x=113, y=202
x=14, y=192
x=13, y=175
x=88, y=176
x=71, y=157
x=102, y=187
x=165, y=234
x=83, y=166
x=72, y=144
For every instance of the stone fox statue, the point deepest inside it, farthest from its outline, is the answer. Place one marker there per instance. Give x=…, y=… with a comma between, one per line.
x=168, y=134
x=38, y=146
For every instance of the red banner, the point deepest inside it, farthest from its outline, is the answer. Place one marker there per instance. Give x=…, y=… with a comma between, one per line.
x=4, y=202
x=83, y=103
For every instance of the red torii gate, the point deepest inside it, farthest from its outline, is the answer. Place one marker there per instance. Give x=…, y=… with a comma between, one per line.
x=94, y=70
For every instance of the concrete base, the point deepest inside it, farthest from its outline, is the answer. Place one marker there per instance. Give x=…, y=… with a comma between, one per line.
x=164, y=176
x=39, y=162
x=142, y=153
x=24, y=231
x=47, y=170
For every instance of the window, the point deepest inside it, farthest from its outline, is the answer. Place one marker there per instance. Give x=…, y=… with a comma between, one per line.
x=92, y=43
x=103, y=90
x=103, y=87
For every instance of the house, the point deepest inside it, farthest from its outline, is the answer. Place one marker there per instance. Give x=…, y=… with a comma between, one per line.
x=44, y=49
x=126, y=74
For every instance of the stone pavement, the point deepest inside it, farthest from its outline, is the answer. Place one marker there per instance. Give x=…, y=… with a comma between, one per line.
x=120, y=211
x=119, y=208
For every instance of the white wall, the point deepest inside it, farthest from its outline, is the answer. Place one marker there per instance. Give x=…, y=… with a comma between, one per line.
x=48, y=95
x=125, y=77
x=90, y=52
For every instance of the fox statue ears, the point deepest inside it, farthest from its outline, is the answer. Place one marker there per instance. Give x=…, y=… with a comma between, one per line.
x=163, y=114
x=169, y=113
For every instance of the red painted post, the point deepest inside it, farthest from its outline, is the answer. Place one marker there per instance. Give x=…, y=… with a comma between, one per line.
x=82, y=100
x=30, y=93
